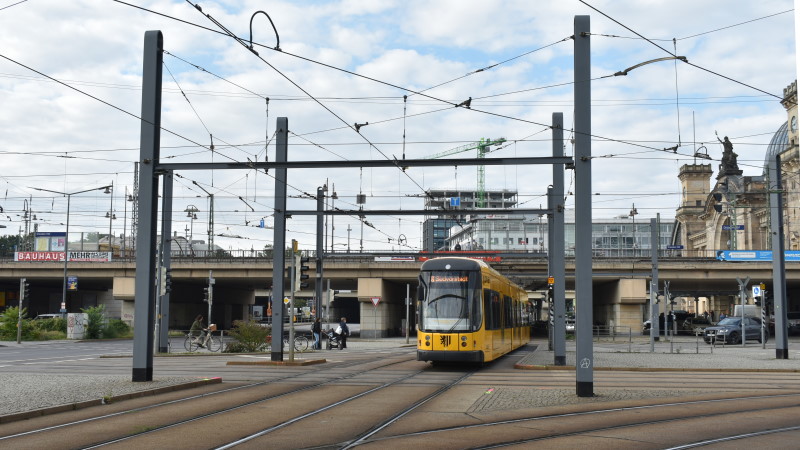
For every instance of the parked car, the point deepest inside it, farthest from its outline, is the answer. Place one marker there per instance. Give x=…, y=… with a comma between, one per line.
x=793, y=318
x=680, y=317
x=693, y=325
x=729, y=331
x=47, y=316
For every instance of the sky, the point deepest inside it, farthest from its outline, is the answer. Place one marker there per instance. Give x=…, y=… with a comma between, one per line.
x=70, y=97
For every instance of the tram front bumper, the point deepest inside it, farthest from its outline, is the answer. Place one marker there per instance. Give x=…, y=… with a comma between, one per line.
x=450, y=356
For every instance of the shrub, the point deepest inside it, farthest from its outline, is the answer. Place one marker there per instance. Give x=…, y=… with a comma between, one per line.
x=55, y=324
x=8, y=324
x=116, y=328
x=96, y=317
x=50, y=335
x=248, y=336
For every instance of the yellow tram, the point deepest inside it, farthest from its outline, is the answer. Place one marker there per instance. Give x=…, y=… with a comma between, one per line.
x=468, y=312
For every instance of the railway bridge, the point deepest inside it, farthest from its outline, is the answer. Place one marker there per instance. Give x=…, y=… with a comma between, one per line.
x=353, y=282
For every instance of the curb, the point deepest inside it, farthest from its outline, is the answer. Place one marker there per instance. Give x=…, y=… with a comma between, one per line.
x=306, y=362
x=103, y=401
x=653, y=369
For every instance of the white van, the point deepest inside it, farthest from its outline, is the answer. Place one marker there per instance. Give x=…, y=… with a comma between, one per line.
x=749, y=311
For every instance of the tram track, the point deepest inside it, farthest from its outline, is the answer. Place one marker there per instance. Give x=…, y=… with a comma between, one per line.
x=149, y=409
x=557, y=429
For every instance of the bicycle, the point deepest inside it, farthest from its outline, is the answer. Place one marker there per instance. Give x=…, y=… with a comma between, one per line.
x=211, y=342
x=300, y=342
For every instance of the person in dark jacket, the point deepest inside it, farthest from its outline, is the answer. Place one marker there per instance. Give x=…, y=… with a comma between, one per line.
x=316, y=328
x=345, y=332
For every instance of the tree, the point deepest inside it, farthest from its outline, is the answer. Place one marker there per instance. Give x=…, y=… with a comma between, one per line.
x=8, y=244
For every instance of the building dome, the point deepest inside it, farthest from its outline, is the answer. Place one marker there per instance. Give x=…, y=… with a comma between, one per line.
x=779, y=143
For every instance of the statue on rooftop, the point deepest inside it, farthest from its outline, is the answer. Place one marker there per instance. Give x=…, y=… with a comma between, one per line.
x=728, y=163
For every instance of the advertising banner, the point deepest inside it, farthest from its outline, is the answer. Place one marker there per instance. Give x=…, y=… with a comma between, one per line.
x=59, y=256
x=755, y=255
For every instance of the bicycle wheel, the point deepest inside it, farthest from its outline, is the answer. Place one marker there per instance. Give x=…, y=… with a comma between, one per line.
x=301, y=343
x=190, y=344
x=214, y=344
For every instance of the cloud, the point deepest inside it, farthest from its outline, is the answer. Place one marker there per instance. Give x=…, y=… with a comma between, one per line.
x=435, y=48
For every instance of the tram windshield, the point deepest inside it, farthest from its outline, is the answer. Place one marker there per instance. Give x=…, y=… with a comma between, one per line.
x=451, y=301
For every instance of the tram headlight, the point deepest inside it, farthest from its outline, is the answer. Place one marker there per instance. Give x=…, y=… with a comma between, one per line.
x=463, y=341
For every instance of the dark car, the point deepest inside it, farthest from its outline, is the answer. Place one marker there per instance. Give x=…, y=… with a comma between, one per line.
x=729, y=331
x=680, y=317
x=693, y=325
x=793, y=318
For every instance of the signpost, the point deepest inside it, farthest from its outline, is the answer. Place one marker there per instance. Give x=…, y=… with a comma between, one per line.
x=375, y=301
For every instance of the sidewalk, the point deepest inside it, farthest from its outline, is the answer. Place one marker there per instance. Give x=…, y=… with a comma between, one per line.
x=686, y=355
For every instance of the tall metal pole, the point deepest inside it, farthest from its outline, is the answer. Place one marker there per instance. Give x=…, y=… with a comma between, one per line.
x=408, y=310
x=292, y=278
x=19, y=310
x=654, y=234
x=278, y=259
x=110, y=218
x=162, y=315
x=124, y=251
x=211, y=283
x=320, y=251
x=583, y=206
x=66, y=254
x=778, y=258
x=557, y=262
x=743, y=297
x=150, y=138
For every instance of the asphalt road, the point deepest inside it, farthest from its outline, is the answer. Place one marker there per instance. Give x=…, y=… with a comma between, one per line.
x=301, y=406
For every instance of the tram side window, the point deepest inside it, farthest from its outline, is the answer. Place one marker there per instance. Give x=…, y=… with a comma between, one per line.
x=492, y=308
x=508, y=307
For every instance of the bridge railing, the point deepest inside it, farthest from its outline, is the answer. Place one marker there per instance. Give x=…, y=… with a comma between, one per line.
x=497, y=255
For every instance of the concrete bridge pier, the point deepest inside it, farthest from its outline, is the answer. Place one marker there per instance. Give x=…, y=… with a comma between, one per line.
x=382, y=307
x=621, y=304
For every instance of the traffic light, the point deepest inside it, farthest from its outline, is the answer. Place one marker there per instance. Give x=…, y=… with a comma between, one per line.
x=168, y=282
x=206, y=294
x=26, y=289
x=718, y=197
x=300, y=268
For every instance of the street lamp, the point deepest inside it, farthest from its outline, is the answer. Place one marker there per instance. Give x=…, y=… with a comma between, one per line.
x=66, y=233
x=333, y=217
x=191, y=213
x=110, y=214
x=633, y=214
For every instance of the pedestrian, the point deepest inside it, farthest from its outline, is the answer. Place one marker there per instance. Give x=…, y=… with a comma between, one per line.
x=344, y=332
x=197, y=330
x=722, y=316
x=316, y=328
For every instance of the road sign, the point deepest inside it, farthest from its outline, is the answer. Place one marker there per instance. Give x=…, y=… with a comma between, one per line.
x=72, y=283
x=455, y=201
x=756, y=291
x=551, y=280
x=731, y=227
x=375, y=301
x=674, y=247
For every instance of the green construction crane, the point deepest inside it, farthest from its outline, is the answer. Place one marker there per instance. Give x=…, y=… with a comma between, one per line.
x=483, y=148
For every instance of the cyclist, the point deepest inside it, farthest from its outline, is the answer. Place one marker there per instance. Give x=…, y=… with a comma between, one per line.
x=198, y=330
